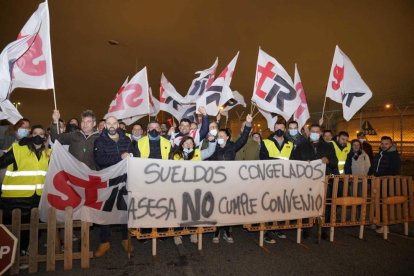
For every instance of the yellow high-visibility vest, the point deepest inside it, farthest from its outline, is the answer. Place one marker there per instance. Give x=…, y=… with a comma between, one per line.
x=196, y=156
x=144, y=147
x=274, y=151
x=30, y=175
x=341, y=155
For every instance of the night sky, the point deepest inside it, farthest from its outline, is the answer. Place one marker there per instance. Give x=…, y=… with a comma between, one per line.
x=181, y=37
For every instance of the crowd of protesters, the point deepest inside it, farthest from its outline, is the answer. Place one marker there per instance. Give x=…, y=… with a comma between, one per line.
x=27, y=150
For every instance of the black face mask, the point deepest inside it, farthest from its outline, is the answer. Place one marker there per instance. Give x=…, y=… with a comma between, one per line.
x=37, y=140
x=279, y=133
x=153, y=133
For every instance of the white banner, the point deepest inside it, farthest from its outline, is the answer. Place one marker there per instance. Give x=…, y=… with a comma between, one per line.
x=96, y=196
x=166, y=193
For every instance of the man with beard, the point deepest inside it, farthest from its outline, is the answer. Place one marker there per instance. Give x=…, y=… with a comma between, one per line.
x=110, y=148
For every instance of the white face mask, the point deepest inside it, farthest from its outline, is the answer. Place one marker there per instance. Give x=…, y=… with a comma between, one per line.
x=213, y=132
x=137, y=137
x=362, y=140
x=293, y=132
x=314, y=136
x=220, y=141
x=187, y=151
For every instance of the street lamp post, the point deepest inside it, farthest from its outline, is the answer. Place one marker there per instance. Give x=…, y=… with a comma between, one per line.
x=17, y=105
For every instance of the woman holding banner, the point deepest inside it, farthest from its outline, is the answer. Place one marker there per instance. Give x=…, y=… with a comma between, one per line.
x=187, y=150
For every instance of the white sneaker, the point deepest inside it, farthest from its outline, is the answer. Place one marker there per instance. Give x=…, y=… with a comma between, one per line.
x=280, y=235
x=228, y=238
x=216, y=239
x=193, y=238
x=380, y=230
x=178, y=240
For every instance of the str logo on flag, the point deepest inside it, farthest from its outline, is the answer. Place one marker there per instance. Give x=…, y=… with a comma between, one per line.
x=32, y=62
x=167, y=100
x=72, y=197
x=131, y=99
x=277, y=88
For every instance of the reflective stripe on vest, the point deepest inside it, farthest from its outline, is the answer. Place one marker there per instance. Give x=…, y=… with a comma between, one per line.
x=144, y=147
x=29, y=177
x=341, y=155
x=196, y=156
x=274, y=151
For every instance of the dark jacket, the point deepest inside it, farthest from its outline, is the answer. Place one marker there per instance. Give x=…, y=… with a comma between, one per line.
x=386, y=163
x=368, y=150
x=107, y=152
x=80, y=145
x=296, y=140
x=228, y=152
x=309, y=151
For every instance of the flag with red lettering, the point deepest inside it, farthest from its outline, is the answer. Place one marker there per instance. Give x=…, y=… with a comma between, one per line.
x=271, y=118
x=132, y=99
x=274, y=90
x=346, y=86
x=95, y=196
x=154, y=109
x=200, y=84
x=301, y=115
x=34, y=69
x=8, y=57
x=219, y=92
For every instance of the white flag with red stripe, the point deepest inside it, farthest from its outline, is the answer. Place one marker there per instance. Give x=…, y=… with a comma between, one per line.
x=219, y=92
x=273, y=89
x=132, y=99
x=346, y=86
x=34, y=69
x=200, y=84
x=301, y=115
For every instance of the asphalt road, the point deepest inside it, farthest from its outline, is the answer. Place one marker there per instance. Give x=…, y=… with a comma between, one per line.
x=347, y=255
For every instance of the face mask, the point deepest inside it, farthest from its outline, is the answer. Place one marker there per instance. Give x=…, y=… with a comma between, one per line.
x=220, y=141
x=213, y=132
x=187, y=151
x=153, y=133
x=279, y=133
x=314, y=136
x=37, y=140
x=136, y=137
x=23, y=132
x=293, y=132
x=362, y=140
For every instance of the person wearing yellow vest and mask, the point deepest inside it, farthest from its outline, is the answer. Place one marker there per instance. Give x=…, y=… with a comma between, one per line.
x=153, y=145
x=27, y=162
x=342, y=148
x=276, y=147
x=187, y=150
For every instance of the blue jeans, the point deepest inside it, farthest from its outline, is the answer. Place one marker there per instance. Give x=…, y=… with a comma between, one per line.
x=105, y=234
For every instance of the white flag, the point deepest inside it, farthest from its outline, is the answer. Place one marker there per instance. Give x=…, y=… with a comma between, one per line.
x=96, y=196
x=154, y=109
x=271, y=118
x=237, y=100
x=170, y=99
x=34, y=69
x=7, y=58
x=301, y=115
x=346, y=86
x=200, y=84
x=273, y=89
x=219, y=92
x=132, y=99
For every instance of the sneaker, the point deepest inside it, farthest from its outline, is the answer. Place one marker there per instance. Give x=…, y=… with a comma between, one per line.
x=380, y=230
x=280, y=235
x=268, y=238
x=216, y=238
x=193, y=238
x=102, y=249
x=178, y=240
x=227, y=237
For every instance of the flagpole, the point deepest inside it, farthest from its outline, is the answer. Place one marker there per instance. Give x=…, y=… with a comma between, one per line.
x=323, y=109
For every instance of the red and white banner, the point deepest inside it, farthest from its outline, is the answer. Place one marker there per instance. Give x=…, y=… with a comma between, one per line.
x=96, y=196
x=132, y=99
x=273, y=89
x=219, y=92
x=200, y=84
x=34, y=69
x=301, y=115
x=346, y=86
x=8, y=56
